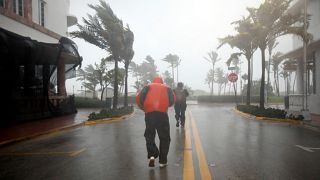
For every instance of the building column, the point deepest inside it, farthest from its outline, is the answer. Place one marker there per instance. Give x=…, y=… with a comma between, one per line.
x=300, y=82
x=61, y=77
x=317, y=72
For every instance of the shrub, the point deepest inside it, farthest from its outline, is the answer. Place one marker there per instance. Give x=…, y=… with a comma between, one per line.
x=269, y=112
x=262, y=112
x=109, y=113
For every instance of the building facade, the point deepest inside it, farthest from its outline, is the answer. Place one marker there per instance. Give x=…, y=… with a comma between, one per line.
x=36, y=59
x=307, y=96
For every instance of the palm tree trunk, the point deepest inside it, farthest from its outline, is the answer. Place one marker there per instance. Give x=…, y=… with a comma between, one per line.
x=172, y=74
x=263, y=66
x=115, y=90
x=278, y=89
x=126, y=87
x=249, y=84
x=102, y=91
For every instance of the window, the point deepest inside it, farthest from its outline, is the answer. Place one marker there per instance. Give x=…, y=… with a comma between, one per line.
x=18, y=7
x=1, y=3
x=41, y=12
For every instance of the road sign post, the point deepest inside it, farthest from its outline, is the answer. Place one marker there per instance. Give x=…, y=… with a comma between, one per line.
x=233, y=77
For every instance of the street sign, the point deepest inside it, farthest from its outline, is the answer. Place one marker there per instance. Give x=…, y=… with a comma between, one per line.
x=232, y=77
x=231, y=68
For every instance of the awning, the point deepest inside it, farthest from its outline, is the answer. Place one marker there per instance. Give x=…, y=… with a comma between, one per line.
x=24, y=50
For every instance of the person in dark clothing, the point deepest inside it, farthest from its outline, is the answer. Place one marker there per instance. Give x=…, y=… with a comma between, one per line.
x=180, y=105
x=154, y=99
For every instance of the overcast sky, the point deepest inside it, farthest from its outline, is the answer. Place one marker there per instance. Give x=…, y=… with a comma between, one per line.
x=188, y=28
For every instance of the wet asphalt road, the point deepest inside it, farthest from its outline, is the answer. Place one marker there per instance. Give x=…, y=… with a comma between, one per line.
x=234, y=148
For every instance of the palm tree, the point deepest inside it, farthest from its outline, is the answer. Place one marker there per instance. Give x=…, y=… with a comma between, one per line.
x=275, y=62
x=210, y=80
x=173, y=60
x=220, y=78
x=271, y=21
x=90, y=78
x=271, y=45
x=106, y=31
x=213, y=59
x=244, y=42
x=127, y=55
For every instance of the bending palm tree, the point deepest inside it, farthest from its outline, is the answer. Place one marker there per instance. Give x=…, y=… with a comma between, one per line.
x=106, y=31
x=271, y=21
x=173, y=60
x=127, y=55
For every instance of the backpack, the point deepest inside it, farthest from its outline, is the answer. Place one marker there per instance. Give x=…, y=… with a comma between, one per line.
x=180, y=95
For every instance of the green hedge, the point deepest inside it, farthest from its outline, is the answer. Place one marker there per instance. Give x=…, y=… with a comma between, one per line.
x=269, y=112
x=109, y=113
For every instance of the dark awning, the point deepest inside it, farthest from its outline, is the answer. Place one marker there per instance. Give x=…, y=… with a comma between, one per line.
x=24, y=50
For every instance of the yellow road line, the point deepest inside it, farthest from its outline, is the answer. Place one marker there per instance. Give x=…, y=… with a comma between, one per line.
x=70, y=153
x=188, y=170
x=203, y=164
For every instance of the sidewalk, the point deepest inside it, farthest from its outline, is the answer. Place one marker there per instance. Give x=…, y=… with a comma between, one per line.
x=43, y=126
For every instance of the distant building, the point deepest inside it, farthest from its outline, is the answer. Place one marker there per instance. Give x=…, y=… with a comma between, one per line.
x=308, y=83
x=36, y=59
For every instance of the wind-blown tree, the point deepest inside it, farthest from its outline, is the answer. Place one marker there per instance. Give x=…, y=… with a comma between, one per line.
x=101, y=76
x=104, y=30
x=173, y=60
x=136, y=72
x=90, y=78
x=270, y=22
x=275, y=62
x=212, y=59
x=271, y=45
x=144, y=73
x=244, y=41
x=168, y=80
x=127, y=56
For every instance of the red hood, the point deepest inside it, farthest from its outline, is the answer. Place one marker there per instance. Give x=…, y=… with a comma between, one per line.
x=158, y=80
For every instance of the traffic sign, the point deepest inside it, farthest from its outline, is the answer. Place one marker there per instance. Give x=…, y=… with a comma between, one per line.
x=231, y=68
x=232, y=77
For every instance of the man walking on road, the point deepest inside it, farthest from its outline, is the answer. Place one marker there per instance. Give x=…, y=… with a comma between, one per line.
x=180, y=105
x=154, y=99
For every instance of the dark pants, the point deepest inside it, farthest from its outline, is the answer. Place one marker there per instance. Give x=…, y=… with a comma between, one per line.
x=180, y=109
x=157, y=121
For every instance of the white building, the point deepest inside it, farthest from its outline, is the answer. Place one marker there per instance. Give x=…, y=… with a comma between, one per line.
x=308, y=81
x=36, y=57
x=41, y=20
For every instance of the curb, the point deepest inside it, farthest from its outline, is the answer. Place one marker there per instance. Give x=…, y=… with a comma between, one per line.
x=19, y=139
x=270, y=120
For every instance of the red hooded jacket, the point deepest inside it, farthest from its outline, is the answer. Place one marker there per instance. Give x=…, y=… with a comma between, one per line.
x=156, y=97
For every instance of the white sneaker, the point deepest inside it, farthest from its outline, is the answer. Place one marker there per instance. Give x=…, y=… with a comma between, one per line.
x=151, y=161
x=163, y=165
